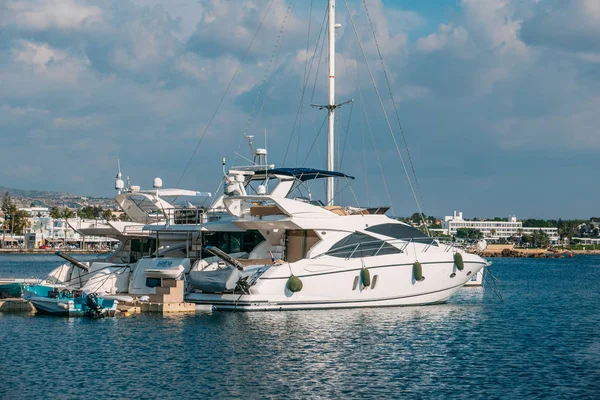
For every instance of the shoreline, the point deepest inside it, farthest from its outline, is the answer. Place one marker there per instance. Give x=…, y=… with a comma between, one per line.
x=53, y=251
x=537, y=253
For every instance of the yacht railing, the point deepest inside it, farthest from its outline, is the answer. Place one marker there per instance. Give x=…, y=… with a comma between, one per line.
x=186, y=216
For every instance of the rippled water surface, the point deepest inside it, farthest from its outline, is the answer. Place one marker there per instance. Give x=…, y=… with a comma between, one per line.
x=543, y=341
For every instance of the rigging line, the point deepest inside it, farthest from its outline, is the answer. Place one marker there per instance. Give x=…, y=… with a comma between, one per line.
x=277, y=54
x=347, y=142
x=312, y=95
x=366, y=118
x=349, y=119
x=324, y=166
x=308, y=38
x=362, y=133
x=300, y=106
x=305, y=80
x=274, y=55
x=340, y=190
x=355, y=198
x=315, y=140
x=395, y=108
x=224, y=94
x=412, y=189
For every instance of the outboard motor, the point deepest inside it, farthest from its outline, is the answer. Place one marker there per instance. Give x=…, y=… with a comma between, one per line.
x=95, y=310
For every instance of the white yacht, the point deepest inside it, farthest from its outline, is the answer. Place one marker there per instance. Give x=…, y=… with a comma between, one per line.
x=317, y=255
x=160, y=237
x=113, y=274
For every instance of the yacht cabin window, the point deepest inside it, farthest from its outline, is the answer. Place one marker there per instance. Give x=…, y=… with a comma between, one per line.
x=358, y=245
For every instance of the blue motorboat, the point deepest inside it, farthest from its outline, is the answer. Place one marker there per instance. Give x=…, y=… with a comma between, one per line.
x=64, y=302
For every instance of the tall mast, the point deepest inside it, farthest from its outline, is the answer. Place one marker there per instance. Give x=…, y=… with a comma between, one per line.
x=331, y=103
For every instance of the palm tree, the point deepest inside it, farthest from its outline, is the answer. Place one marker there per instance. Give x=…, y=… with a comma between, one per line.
x=107, y=215
x=55, y=214
x=5, y=226
x=25, y=223
x=66, y=214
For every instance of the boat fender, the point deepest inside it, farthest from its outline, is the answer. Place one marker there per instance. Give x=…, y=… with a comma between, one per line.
x=418, y=272
x=294, y=284
x=458, y=260
x=365, y=277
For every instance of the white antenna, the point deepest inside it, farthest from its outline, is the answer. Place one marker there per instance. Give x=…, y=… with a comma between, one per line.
x=119, y=185
x=249, y=138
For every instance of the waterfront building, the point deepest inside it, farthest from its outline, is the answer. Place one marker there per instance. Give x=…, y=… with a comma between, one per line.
x=495, y=230
x=45, y=230
x=585, y=240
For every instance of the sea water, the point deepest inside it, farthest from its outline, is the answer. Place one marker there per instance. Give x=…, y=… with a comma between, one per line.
x=542, y=341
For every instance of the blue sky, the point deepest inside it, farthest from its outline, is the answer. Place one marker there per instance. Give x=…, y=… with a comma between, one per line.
x=498, y=98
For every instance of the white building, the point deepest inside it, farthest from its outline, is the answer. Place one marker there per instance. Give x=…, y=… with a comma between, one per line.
x=495, y=230
x=44, y=229
x=36, y=211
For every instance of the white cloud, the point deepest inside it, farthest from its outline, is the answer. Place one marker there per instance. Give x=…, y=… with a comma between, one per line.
x=39, y=55
x=573, y=128
x=446, y=35
x=44, y=14
x=19, y=117
x=572, y=25
x=57, y=65
x=589, y=57
x=139, y=79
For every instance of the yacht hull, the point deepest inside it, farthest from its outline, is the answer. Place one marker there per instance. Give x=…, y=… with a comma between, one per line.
x=395, y=286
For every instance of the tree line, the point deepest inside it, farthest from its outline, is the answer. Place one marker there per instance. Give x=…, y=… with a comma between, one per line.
x=15, y=220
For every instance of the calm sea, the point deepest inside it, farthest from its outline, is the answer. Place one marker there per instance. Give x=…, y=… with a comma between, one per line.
x=542, y=342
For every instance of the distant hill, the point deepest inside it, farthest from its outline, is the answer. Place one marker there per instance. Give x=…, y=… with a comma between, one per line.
x=43, y=198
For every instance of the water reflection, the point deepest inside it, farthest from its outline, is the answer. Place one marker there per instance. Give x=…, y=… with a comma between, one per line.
x=541, y=342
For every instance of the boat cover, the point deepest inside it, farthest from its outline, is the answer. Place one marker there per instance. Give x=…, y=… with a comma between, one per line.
x=216, y=281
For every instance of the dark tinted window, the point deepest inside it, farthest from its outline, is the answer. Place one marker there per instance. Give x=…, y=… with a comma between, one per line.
x=153, y=282
x=397, y=231
x=232, y=242
x=359, y=245
x=400, y=231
